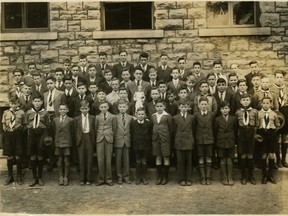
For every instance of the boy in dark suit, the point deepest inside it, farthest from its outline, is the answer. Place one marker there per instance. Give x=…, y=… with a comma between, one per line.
x=83, y=63
x=204, y=138
x=102, y=66
x=184, y=72
x=184, y=143
x=150, y=106
x=123, y=63
x=171, y=106
x=222, y=94
x=25, y=98
x=254, y=71
x=91, y=74
x=39, y=85
x=106, y=83
x=77, y=76
x=175, y=83
x=144, y=66
x=199, y=76
x=69, y=94
x=59, y=75
x=232, y=80
x=85, y=141
x=67, y=67
x=164, y=71
x=105, y=127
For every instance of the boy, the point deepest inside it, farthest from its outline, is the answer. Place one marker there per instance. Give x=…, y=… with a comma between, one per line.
x=161, y=137
x=85, y=133
x=184, y=143
x=102, y=66
x=199, y=76
x=211, y=80
x=122, y=142
x=106, y=83
x=150, y=106
x=15, y=89
x=171, y=106
x=125, y=76
x=76, y=77
x=242, y=89
x=101, y=97
x=83, y=63
x=164, y=71
x=113, y=96
x=63, y=130
x=232, y=81
x=46, y=70
x=13, y=122
x=123, y=63
x=183, y=71
x=91, y=75
x=141, y=133
x=256, y=82
x=225, y=135
x=192, y=91
x=144, y=66
x=93, y=90
x=162, y=86
x=254, y=71
x=268, y=124
x=37, y=121
x=38, y=86
x=247, y=123
x=25, y=98
x=218, y=70
x=204, y=138
x=175, y=84
x=222, y=94
x=59, y=75
x=69, y=94
x=152, y=73
x=105, y=127
x=66, y=67
x=183, y=96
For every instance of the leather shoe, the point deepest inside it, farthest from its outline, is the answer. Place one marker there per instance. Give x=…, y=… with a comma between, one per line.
x=158, y=181
x=144, y=181
x=264, y=180
x=32, y=184
x=243, y=181
x=203, y=181
x=120, y=182
x=88, y=183
x=285, y=164
x=127, y=181
x=61, y=181
x=230, y=182
x=182, y=183
x=164, y=181
x=208, y=181
x=137, y=182
x=110, y=183
x=9, y=180
x=252, y=181
x=272, y=180
x=40, y=182
x=98, y=183
x=188, y=183
x=65, y=182
x=20, y=180
x=82, y=183
x=225, y=181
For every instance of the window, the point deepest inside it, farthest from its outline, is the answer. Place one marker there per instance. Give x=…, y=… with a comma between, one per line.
x=231, y=14
x=125, y=16
x=24, y=17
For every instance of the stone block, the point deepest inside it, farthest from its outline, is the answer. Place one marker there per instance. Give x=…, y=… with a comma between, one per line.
x=272, y=39
x=31, y=58
x=74, y=28
x=149, y=48
x=74, y=6
x=168, y=34
x=214, y=55
x=178, y=14
x=239, y=44
x=79, y=17
x=200, y=23
x=186, y=33
x=107, y=49
x=35, y=52
x=169, y=24
x=199, y=4
x=184, y=4
x=76, y=43
x=260, y=46
x=278, y=31
x=161, y=14
x=74, y=23
x=90, y=25
x=88, y=50
x=52, y=55
x=165, y=5
x=284, y=24
x=174, y=56
x=174, y=40
x=205, y=47
x=67, y=12
x=16, y=60
x=280, y=4
x=58, y=44
x=267, y=55
x=54, y=15
x=92, y=42
x=285, y=39
x=57, y=5
x=182, y=47
x=65, y=17
x=25, y=49
x=222, y=47
x=11, y=50
x=68, y=52
x=197, y=55
x=66, y=35
x=41, y=42
x=91, y=5
x=283, y=18
x=195, y=40
x=188, y=24
x=94, y=14
x=93, y=59
x=197, y=13
x=164, y=48
x=269, y=19
x=83, y=35
x=282, y=11
x=83, y=12
x=12, y=43
x=280, y=46
x=286, y=60
x=39, y=47
x=58, y=25
x=142, y=41
x=24, y=43
x=4, y=60
x=267, y=7
x=275, y=62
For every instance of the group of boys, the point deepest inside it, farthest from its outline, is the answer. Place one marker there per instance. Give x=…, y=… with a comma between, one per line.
x=86, y=108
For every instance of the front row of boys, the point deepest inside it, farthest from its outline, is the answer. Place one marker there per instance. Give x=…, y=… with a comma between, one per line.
x=106, y=131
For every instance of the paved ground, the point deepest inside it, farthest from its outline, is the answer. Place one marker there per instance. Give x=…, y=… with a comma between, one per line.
x=150, y=199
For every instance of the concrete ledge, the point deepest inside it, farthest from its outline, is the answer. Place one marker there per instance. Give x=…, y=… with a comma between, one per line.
x=124, y=34
x=234, y=31
x=28, y=36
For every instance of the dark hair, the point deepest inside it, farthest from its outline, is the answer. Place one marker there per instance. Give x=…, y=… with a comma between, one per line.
x=100, y=90
x=175, y=68
x=183, y=102
x=14, y=99
x=210, y=74
x=103, y=54
x=266, y=98
x=217, y=62
x=223, y=104
x=91, y=66
x=161, y=82
x=93, y=83
x=122, y=102
x=31, y=63
x=67, y=77
x=84, y=103
x=140, y=109
x=82, y=56
x=121, y=51
x=75, y=66
x=18, y=70
x=196, y=63
x=64, y=104
x=59, y=70
x=122, y=88
x=221, y=80
x=160, y=100
x=202, y=98
x=37, y=95
x=202, y=82
x=170, y=91
x=242, y=80
x=280, y=72
x=151, y=70
x=232, y=74
x=36, y=73
x=143, y=55
x=253, y=62
x=107, y=71
x=163, y=54
x=81, y=84
x=51, y=78
x=245, y=96
x=181, y=89
x=182, y=58
x=67, y=61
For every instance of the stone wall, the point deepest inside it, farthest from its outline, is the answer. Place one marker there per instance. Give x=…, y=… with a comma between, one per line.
x=75, y=22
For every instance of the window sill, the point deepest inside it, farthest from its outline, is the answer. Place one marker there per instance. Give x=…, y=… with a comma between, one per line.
x=234, y=31
x=128, y=34
x=28, y=36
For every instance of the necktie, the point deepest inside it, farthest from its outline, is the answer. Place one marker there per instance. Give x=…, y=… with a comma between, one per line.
x=85, y=123
x=222, y=96
x=266, y=119
x=183, y=116
x=104, y=116
x=27, y=99
x=36, y=121
x=12, y=120
x=62, y=119
x=266, y=94
x=138, y=82
x=59, y=84
x=50, y=99
x=38, y=88
x=281, y=97
x=82, y=97
x=123, y=119
x=102, y=67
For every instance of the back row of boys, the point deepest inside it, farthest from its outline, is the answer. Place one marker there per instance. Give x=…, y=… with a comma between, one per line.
x=186, y=87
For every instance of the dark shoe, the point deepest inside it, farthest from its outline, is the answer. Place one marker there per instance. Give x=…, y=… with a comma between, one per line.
x=98, y=183
x=272, y=180
x=32, y=184
x=88, y=183
x=203, y=181
x=182, y=183
x=225, y=181
x=20, y=180
x=208, y=181
x=127, y=181
x=65, y=182
x=159, y=181
x=188, y=183
x=164, y=181
x=230, y=182
x=120, y=182
x=110, y=183
x=40, y=182
x=243, y=181
x=137, y=182
x=252, y=180
x=9, y=180
x=264, y=180
x=144, y=181
x=82, y=183
x=61, y=181
x=285, y=164
x=279, y=165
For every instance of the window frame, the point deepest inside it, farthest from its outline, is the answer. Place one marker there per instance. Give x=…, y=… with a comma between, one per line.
x=103, y=19
x=24, y=22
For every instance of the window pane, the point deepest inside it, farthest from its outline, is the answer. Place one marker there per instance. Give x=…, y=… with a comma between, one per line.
x=243, y=13
x=13, y=15
x=37, y=15
x=218, y=14
x=117, y=16
x=141, y=15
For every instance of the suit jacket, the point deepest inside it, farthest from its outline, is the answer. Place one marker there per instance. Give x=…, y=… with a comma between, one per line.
x=23, y=105
x=150, y=109
x=198, y=80
x=78, y=131
x=105, y=87
x=248, y=78
x=163, y=129
x=68, y=100
x=57, y=100
x=170, y=85
x=145, y=72
x=117, y=70
x=122, y=134
x=105, y=129
x=228, y=98
x=132, y=88
x=63, y=132
x=42, y=89
x=187, y=72
x=164, y=75
x=184, y=138
x=204, y=128
x=141, y=135
x=225, y=131
x=75, y=104
x=80, y=79
x=172, y=109
x=100, y=73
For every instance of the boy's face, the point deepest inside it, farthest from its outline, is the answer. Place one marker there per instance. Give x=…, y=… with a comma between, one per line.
x=204, y=88
x=17, y=76
x=279, y=78
x=225, y=110
x=265, y=84
x=242, y=87
x=183, y=94
x=138, y=74
x=92, y=72
x=63, y=110
x=66, y=66
x=122, y=108
x=164, y=60
x=37, y=80
x=123, y=56
x=75, y=71
x=245, y=102
x=13, y=105
x=81, y=90
x=46, y=68
x=221, y=87
x=266, y=104
x=68, y=84
x=103, y=59
x=26, y=90
x=104, y=107
x=108, y=76
x=190, y=83
x=37, y=103
x=83, y=62
x=93, y=89
x=153, y=76
x=217, y=68
x=256, y=81
x=181, y=64
x=159, y=107
x=143, y=61
x=123, y=94
x=59, y=76
x=203, y=105
x=211, y=80
x=233, y=81
x=175, y=74
x=115, y=85
x=254, y=67
x=126, y=76
x=155, y=94
x=234, y=67
x=50, y=84
x=171, y=98
x=101, y=96
x=31, y=68
x=140, y=115
x=162, y=88
x=183, y=108
x=197, y=69
x=84, y=110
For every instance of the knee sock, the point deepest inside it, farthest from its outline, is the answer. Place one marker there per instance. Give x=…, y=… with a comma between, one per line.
x=60, y=167
x=202, y=170
x=19, y=167
x=34, y=169
x=243, y=168
x=159, y=171
x=66, y=168
x=166, y=171
x=264, y=167
x=40, y=168
x=144, y=171
x=138, y=170
x=250, y=168
x=208, y=169
x=270, y=167
x=223, y=168
x=10, y=168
